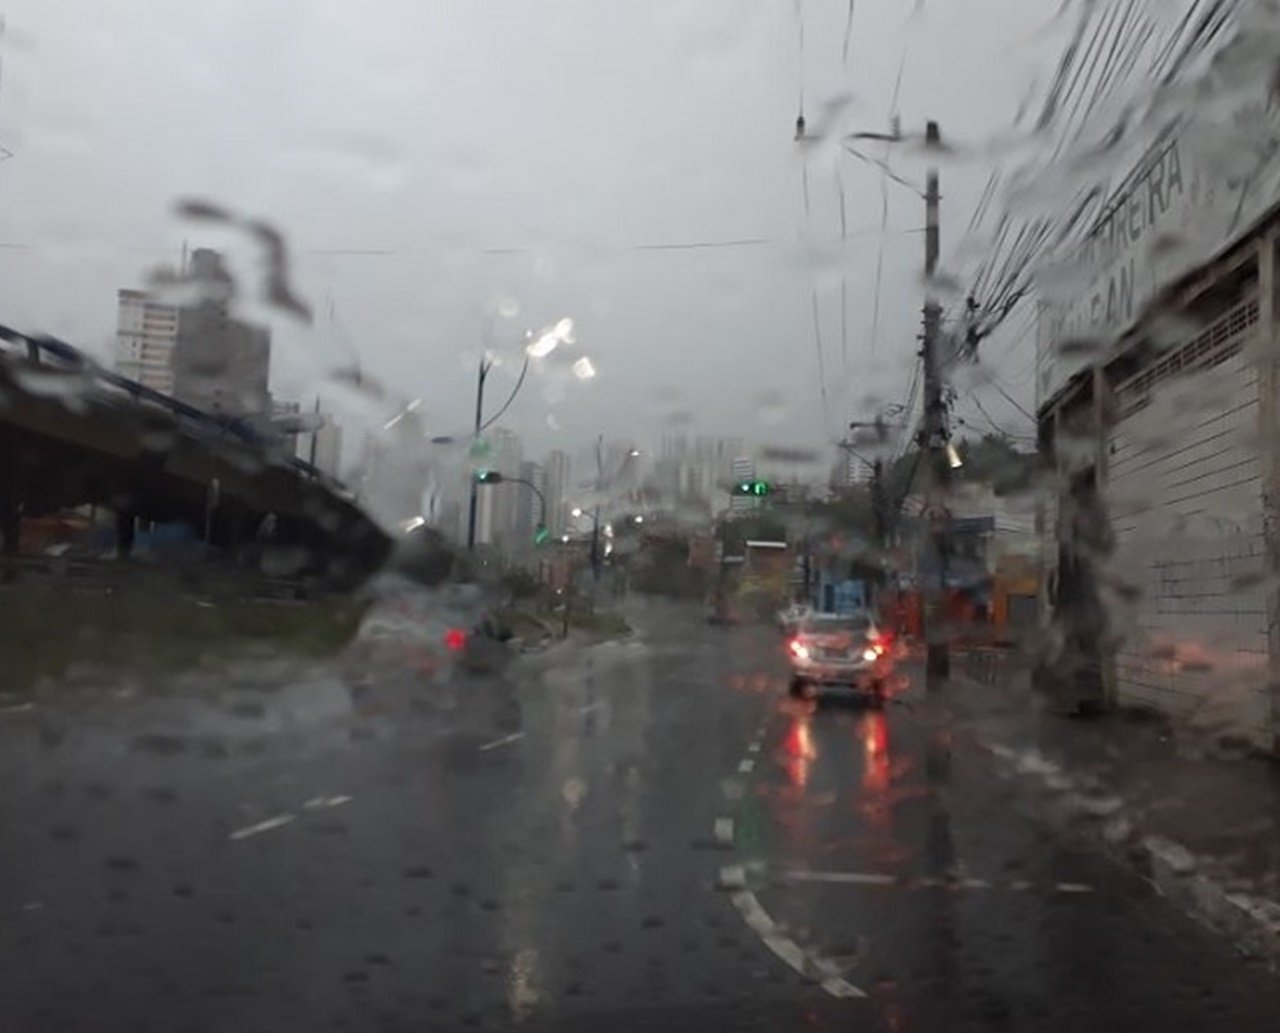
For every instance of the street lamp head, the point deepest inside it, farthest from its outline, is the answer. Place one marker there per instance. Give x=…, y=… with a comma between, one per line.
x=639, y=519
x=634, y=453
x=576, y=511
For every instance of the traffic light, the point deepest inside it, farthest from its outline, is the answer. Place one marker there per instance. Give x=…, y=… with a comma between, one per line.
x=541, y=534
x=753, y=488
x=488, y=477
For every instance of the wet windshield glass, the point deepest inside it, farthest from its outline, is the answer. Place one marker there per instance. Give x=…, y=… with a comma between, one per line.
x=681, y=515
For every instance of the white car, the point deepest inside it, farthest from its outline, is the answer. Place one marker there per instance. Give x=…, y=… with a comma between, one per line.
x=850, y=651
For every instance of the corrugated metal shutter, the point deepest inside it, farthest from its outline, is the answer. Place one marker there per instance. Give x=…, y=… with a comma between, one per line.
x=1185, y=501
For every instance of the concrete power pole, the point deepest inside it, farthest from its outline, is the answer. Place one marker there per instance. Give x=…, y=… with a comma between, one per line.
x=938, y=663
x=473, y=501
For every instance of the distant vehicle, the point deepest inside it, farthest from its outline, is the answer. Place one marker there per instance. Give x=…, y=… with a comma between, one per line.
x=851, y=651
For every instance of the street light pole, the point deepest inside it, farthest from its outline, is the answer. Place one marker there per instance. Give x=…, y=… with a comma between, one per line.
x=485, y=366
x=938, y=655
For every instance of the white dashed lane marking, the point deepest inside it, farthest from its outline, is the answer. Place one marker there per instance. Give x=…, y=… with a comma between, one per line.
x=724, y=830
x=746, y=766
x=263, y=826
x=320, y=803
x=506, y=740
x=913, y=882
x=790, y=953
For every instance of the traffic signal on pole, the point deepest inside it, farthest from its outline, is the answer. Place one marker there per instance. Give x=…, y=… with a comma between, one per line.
x=488, y=477
x=753, y=488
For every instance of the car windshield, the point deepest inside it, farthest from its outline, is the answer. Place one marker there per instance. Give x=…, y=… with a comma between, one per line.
x=560, y=515
x=858, y=625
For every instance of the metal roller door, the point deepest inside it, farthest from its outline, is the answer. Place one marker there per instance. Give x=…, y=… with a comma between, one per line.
x=1185, y=501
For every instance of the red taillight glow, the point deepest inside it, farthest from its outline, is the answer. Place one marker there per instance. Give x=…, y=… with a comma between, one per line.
x=455, y=640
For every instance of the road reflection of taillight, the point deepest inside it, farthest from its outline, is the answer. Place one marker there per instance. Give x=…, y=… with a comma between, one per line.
x=875, y=747
x=800, y=752
x=455, y=640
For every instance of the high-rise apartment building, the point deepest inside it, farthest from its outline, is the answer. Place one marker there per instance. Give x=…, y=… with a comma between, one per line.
x=528, y=506
x=555, y=479
x=198, y=353
x=742, y=469
x=496, y=504
x=697, y=470
x=146, y=331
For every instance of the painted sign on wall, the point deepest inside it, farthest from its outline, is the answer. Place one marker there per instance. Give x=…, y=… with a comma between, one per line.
x=1192, y=196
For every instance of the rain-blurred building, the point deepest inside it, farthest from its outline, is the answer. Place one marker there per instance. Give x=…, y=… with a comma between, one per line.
x=695, y=471
x=848, y=472
x=1158, y=411
x=496, y=505
x=741, y=470
x=325, y=447
x=146, y=331
x=221, y=364
x=528, y=505
x=199, y=353
x=555, y=475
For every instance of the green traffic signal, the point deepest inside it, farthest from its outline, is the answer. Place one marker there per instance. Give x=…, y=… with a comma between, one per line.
x=488, y=477
x=541, y=534
x=756, y=489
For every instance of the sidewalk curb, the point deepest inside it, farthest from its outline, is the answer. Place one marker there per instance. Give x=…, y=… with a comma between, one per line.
x=1115, y=825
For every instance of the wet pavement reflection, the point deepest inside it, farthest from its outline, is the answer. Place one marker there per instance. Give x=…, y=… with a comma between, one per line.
x=646, y=832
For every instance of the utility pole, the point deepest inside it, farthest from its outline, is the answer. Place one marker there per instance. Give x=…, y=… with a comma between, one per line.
x=315, y=432
x=938, y=656
x=471, y=513
x=595, y=517
x=879, y=524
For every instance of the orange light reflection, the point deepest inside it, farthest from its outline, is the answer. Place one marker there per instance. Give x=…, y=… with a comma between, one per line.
x=800, y=751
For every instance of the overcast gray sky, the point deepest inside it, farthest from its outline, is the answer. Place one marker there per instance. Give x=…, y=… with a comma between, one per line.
x=427, y=160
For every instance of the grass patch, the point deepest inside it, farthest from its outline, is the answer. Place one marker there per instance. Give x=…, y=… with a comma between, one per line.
x=152, y=626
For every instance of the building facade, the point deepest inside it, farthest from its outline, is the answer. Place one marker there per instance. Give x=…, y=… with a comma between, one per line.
x=556, y=473
x=220, y=364
x=324, y=448
x=199, y=353
x=146, y=332
x=528, y=505
x=742, y=469
x=1165, y=449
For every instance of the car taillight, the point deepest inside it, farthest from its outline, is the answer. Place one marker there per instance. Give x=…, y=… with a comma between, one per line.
x=455, y=640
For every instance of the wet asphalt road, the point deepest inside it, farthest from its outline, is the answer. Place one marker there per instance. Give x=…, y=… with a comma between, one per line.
x=641, y=835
